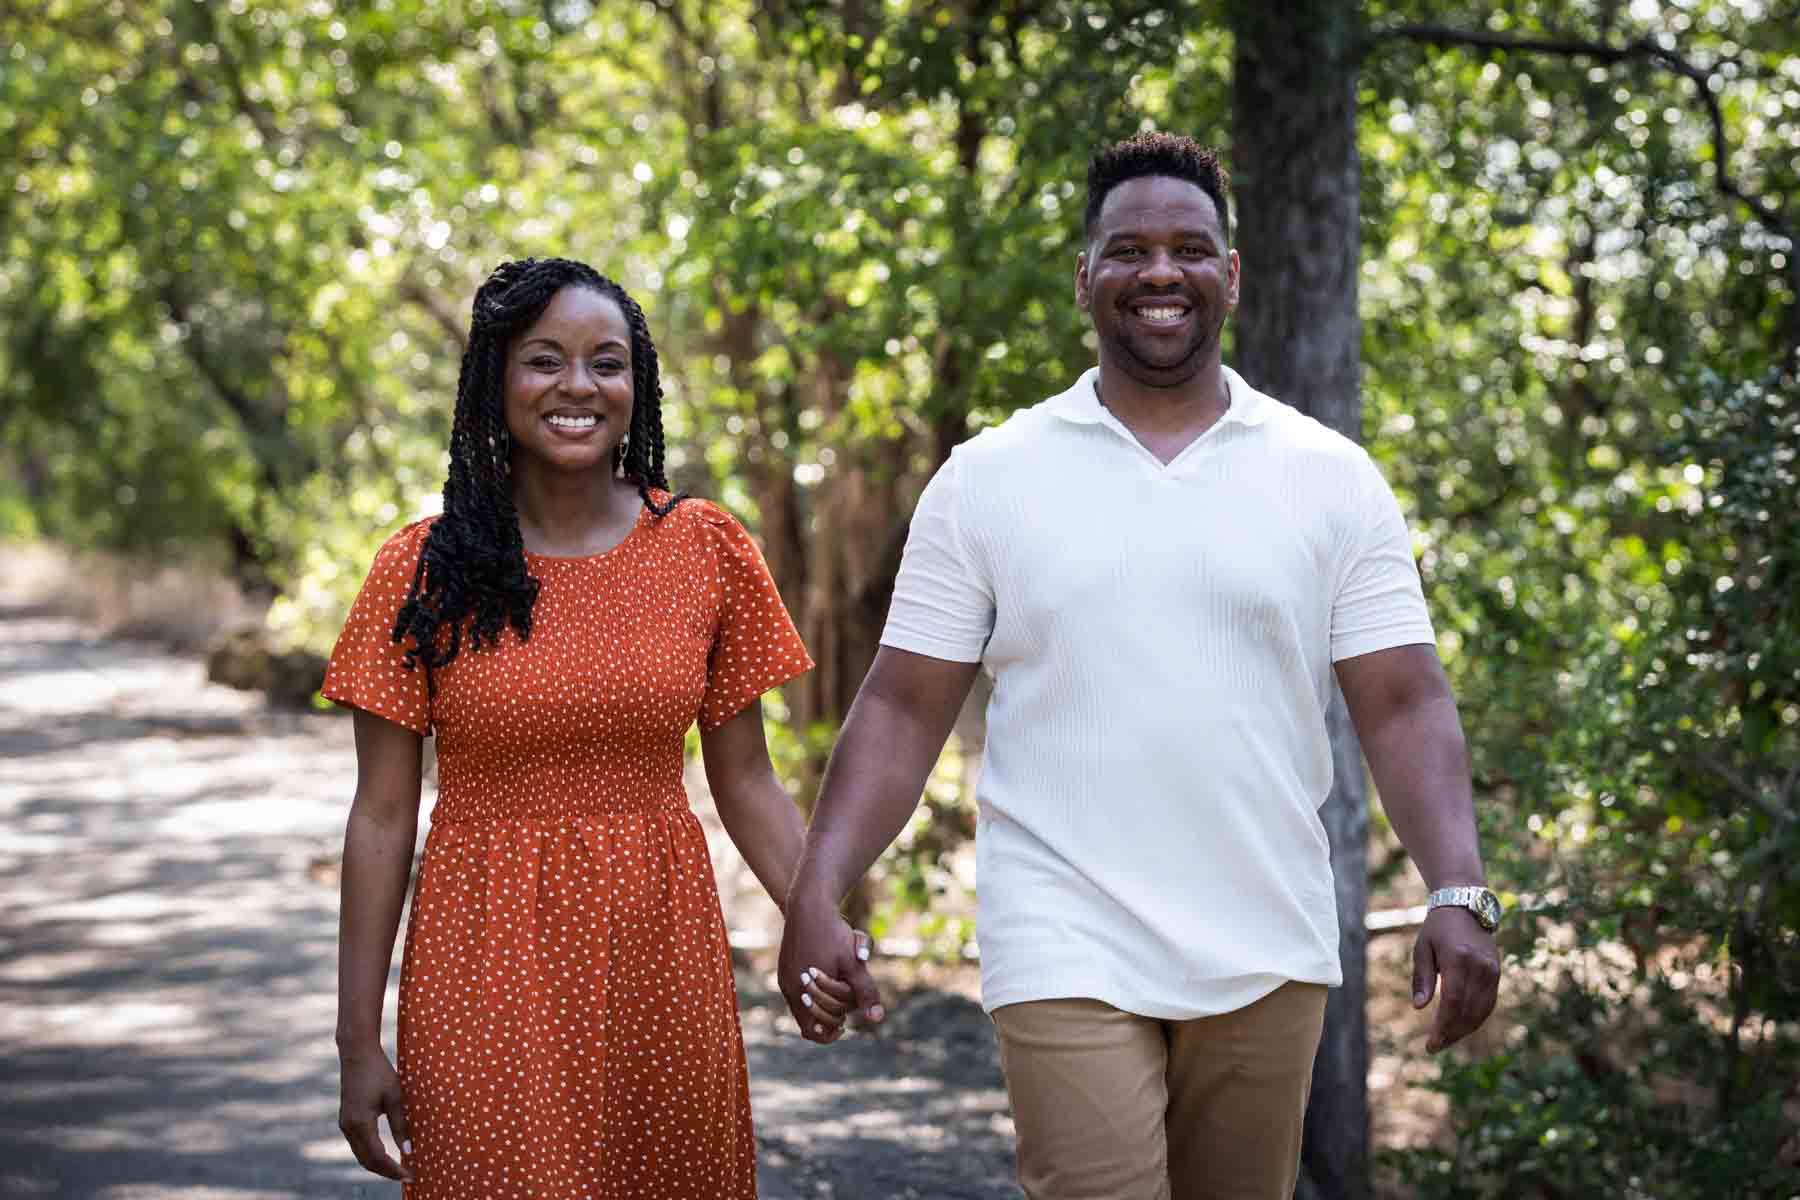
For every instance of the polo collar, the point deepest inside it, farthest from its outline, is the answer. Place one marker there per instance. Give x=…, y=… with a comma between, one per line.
x=1081, y=405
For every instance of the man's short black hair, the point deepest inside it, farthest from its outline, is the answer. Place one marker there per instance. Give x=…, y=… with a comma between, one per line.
x=1172, y=154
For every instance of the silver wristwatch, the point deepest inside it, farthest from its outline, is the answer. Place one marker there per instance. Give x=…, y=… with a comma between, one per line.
x=1478, y=900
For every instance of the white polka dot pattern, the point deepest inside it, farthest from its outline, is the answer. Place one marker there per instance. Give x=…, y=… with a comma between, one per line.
x=568, y=1021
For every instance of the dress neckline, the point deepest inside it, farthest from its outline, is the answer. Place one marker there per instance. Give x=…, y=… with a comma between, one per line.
x=637, y=524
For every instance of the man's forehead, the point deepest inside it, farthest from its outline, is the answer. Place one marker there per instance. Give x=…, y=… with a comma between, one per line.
x=1156, y=200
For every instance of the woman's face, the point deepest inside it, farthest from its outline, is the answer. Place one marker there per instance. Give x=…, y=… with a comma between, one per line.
x=568, y=390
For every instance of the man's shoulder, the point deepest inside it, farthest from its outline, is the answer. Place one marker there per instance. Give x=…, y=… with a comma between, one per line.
x=1297, y=433
x=1020, y=433
x=1302, y=431
x=1024, y=432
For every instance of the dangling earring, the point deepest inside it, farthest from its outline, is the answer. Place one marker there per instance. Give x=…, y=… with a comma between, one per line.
x=619, y=452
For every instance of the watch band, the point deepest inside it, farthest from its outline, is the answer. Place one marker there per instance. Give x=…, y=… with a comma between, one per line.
x=1480, y=901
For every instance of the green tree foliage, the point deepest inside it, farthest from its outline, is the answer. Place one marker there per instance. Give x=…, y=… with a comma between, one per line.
x=1582, y=319
x=239, y=240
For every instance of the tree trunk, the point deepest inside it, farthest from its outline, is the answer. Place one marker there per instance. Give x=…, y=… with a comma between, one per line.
x=1297, y=337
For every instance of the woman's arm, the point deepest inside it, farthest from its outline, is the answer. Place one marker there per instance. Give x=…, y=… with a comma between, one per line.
x=758, y=813
x=378, y=852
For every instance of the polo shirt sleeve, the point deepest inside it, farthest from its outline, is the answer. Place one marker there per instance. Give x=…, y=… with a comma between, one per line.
x=943, y=604
x=1379, y=603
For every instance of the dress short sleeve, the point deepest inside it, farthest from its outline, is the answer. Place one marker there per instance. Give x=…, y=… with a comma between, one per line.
x=755, y=645
x=367, y=668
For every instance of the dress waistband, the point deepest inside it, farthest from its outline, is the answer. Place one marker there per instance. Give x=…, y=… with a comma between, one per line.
x=550, y=820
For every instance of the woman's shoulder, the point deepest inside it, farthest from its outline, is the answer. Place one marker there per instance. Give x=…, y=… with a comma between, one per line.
x=707, y=530
x=693, y=513
x=411, y=536
x=403, y=546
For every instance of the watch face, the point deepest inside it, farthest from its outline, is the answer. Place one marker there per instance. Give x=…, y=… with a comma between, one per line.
x=1487, y=909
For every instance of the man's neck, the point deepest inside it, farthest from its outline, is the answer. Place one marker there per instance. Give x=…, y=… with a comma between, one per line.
x=1165, y=420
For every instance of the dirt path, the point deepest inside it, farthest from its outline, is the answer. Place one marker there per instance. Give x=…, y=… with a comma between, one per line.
x=167, y=947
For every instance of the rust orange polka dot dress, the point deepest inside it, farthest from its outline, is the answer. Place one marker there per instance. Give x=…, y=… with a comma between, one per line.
x=568, y=1024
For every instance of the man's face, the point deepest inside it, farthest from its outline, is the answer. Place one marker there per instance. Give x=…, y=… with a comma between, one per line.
x=1158, y=280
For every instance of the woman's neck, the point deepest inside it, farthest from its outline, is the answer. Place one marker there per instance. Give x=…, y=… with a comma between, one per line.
x=573, y=514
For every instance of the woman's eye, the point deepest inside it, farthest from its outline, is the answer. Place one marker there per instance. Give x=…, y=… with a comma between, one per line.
x=545, y=364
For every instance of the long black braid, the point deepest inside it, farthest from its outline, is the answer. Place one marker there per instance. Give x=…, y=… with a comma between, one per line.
x=472, y=567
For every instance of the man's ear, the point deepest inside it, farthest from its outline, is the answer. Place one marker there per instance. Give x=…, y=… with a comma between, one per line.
x=1081, y=281
x=1234, y=277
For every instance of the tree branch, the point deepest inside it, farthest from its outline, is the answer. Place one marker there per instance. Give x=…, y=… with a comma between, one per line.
x=1640, y=50
x=1725, y=773
x=433, y=303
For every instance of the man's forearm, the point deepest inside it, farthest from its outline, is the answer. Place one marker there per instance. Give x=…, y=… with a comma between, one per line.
x=1420, y=764
x=872, y=784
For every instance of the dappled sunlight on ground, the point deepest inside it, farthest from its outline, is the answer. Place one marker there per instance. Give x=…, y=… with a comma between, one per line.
x=168, y=916
x=166, y=967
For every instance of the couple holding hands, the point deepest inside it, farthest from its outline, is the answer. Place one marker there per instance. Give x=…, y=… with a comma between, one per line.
x=1163, y=570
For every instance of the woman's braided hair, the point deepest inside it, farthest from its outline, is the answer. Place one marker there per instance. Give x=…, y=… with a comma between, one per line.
x=472, y=567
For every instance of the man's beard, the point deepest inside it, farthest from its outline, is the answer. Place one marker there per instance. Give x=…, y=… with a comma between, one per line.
x=1172, y=371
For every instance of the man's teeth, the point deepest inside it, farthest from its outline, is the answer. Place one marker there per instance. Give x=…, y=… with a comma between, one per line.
x=1170, y=313
x=573, y=422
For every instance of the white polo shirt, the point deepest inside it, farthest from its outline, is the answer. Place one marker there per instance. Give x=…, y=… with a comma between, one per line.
x=1160, y=640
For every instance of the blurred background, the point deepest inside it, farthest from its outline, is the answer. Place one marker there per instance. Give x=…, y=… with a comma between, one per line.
x=238, y=241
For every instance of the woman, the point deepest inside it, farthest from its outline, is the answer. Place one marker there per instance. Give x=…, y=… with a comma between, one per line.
x=568, y=1022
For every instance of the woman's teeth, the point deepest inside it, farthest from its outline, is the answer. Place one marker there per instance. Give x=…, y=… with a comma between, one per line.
x=560, y=422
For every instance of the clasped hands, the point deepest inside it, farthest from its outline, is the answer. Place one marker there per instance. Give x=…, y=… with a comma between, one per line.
x=824, y=976
x=823, y=972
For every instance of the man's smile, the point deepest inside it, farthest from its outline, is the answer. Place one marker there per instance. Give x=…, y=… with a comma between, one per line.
x=1161, y=311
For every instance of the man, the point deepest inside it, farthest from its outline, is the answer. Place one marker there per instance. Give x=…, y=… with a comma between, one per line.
x=1161, y=568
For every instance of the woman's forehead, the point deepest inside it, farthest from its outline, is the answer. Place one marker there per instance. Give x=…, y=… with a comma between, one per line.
x=580, y=315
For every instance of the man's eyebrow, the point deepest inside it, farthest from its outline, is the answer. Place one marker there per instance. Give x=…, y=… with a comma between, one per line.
x=1181, y=234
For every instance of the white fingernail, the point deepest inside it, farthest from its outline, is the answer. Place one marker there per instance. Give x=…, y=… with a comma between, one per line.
x=862, y=953
x=806, y=1000
x=406, y=1146
x=806, y=977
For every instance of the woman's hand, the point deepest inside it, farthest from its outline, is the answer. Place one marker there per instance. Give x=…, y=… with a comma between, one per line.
x=827, y=1001
x=370, y=1089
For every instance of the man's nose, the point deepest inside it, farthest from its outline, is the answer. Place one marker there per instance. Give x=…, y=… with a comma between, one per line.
x=1160, y=268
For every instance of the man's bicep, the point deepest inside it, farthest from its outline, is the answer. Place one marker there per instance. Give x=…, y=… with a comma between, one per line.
x=929, y=689
x=1383, y=681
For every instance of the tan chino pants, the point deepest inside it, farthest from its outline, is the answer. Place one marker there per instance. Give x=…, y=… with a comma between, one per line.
x=1113, y=1106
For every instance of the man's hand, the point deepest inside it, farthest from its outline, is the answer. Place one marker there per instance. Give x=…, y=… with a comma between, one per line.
x=1453, y=945
x=371, y=1089
x=816, y=940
